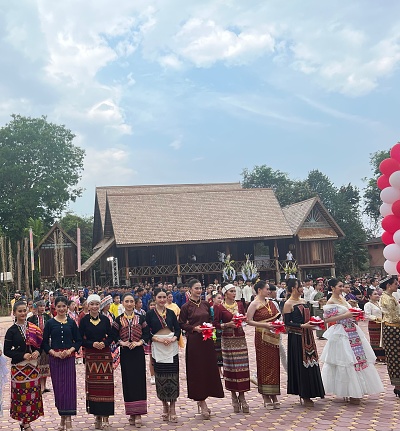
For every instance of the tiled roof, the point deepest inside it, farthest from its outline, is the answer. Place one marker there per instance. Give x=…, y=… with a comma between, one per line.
x=296, y=213
x=101, y=192
x=195, y=214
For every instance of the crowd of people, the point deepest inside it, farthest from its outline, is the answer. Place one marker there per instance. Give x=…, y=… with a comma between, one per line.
x=112, y=327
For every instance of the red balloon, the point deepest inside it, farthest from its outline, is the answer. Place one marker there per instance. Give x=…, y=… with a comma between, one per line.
x=398, y=267
x=391, y=223
x=387, y=238
x=396, y=208
x=388, y=166
x=395, y=152
x=383, y=182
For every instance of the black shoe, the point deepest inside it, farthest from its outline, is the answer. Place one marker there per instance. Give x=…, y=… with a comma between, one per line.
x=46, y=390
x=321, y=338
x=397, y=392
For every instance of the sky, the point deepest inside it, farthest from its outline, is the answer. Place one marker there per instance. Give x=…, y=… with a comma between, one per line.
x=194, y=91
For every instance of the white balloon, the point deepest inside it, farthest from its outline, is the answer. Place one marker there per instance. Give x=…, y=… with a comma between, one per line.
x=396, y=237
x=385, y=209
x=390, y=267
x=390, y=195
x=392, y=252
x=394, y=180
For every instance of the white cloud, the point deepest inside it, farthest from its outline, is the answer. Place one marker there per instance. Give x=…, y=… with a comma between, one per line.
x=205, y=42
x=170, y=61
x=176, y=144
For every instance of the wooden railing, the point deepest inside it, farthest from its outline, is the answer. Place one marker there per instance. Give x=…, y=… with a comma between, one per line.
x=199, y=268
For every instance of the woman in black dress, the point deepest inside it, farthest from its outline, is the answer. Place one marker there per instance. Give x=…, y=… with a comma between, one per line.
x=164, y=334
x=304, y=375
x=95, y=330
x=61, y=339
x=132, y=333
x=22, y=344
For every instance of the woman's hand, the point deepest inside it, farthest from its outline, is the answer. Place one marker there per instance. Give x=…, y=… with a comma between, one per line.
x=230, y=324
x=35, y=355
x=124, y=343
x=347, y=315
x=99, y=345
x=308, y=325
x=197, y=329
x=267, y=326
x=27, y=356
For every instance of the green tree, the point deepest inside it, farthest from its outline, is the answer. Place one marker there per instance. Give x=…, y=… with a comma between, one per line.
x=40, y=168
x=70, y=221
x=372, y=199
x=344, y=204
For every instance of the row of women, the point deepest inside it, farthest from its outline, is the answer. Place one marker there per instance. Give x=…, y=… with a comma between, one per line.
x=348, y=370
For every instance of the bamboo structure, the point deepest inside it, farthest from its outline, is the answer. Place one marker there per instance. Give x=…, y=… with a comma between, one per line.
x=26, y=265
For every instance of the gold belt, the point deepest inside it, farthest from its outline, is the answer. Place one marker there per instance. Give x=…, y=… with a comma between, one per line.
x=396, y=325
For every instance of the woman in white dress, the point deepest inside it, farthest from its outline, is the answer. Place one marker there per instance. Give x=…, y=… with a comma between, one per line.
x=373, y=313
x=348, y=358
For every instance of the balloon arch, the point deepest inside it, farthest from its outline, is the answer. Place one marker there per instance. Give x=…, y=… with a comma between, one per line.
x=389, y=184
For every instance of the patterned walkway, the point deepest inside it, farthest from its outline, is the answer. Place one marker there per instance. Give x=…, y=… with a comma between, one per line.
x=376, y=413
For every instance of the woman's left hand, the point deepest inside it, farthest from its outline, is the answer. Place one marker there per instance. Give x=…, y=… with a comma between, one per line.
x=35, y=354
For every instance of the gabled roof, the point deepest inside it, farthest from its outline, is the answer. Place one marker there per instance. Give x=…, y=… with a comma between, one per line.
x=296, y=214
x=106, y=245
x=52, y=229
x=195, y=214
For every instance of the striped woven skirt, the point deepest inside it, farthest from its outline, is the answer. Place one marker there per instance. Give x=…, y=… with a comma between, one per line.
x=133, y=372
x=26, y=396
x=235, y=360
x=391, y=343
x=218, y=347
x=99, y=382
x=43, y=364
x=167, y=380
x=374, y=330
x=63, y=378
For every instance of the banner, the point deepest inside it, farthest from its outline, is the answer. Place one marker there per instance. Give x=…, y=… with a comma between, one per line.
x=78, y=244
x=31, y=247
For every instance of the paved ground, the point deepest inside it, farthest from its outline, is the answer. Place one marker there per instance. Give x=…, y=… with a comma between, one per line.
x=376, y=413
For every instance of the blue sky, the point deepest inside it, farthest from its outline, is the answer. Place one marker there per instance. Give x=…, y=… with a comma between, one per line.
x=183, y=91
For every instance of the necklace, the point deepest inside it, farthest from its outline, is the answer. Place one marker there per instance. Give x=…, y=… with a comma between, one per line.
x=196, y=303
x=59, y=320
x=95, y=320
x=22, y=329
x=233, y=308
x=129, y=317
x=163, y=313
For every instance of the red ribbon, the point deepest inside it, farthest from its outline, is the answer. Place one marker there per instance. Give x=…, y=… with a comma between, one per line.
x=318, y=322
x=238, y=320
x=279, y=327
x=207, y=332
x=360, y=315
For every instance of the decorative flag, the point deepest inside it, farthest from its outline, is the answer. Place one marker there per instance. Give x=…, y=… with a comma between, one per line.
x=31, y=247
x=78, y=243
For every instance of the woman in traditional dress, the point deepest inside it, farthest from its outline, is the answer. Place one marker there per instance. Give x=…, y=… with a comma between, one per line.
x=61, y=339
x=40, y=319
x=373, y=313
x=304, y=375
x=95, y=330
x=105, y=311
x=164, y=334
x=261, y=313
x=74, y=315
x=132, y=332
x=203, y=379
x=217, y=299
x=22, y=344
x=234, y=349
x=348, y=358
x=391, y=330
x=172, y=306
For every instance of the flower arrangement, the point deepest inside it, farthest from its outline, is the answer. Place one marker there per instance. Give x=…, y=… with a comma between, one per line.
x=279, y=327
x=290, y=268
x=249, y=269
x=239, y=320
x=228, y=272
x=208, y=330
x=317, y=321
x=359, y=313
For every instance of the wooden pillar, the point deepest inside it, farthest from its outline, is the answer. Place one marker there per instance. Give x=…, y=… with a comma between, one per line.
x=127, y=278
x=276, y=256
x=178, y=265
x=333, y=272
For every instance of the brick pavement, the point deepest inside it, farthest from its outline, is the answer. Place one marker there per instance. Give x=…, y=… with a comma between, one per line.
x=376, y=413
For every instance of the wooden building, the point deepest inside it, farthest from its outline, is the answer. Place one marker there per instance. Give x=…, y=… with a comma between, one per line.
x=175, y=232
x=375, y=248
x=56, y=255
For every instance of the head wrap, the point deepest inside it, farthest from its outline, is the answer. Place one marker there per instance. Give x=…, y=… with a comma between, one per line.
x=93, y=298
x=227, y=287
x=107, y=300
